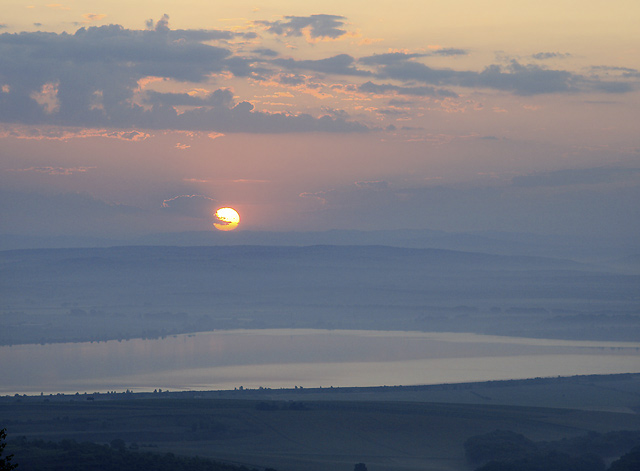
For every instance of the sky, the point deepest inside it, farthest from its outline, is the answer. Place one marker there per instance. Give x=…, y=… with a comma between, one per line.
x=122, y=118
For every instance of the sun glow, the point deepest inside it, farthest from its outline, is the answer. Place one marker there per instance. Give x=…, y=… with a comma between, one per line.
x=226, y=219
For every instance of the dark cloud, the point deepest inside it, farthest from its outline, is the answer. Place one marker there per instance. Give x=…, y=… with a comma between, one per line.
x=399, y=102
x=335, y=113
x=318, y=26
x=221, y=97
x=291, y=79
x=266, y=52
x=342, y=64
x=550, y=55
x=92, y=78
x=517, y=78
x=521, y=79
x=624, y=72
x=612, y=87
x=396, y=57
x=391, y=112
x=89, y=78
x=380, y=89
x=243, y=118
x=388, y=58
x=450, y=51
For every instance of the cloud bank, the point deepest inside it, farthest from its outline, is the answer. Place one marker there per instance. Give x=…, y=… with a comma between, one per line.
x=102, y=77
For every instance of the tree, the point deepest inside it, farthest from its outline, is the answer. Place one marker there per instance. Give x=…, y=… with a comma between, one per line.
x=5, y=463
x=628, y=462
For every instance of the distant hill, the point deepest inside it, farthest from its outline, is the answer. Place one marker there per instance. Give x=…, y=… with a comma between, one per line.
x=128, y=291
x=582, y=248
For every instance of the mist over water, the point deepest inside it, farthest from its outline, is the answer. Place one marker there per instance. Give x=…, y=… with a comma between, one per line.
x=277, y=358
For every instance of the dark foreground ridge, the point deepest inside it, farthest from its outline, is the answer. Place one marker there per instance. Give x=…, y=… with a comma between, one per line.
x=545, y=421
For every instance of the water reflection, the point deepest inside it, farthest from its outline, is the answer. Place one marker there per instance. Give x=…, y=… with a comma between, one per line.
x=309, y=358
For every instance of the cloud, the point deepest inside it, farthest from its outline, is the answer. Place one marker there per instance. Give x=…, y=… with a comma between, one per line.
x=198, y=206
x=550, y=55
x=381, y=89
x=242, y=117
x=373, y=185
x=220, y=97
x=314, y=27
x=106, y=60
x=396, y=57
x=266, y=52
x=58, y=6
x=521, y=79
x=249, y=180
x=91, y=18
x=624, y=72
x=94, y=16
x=398, y=102
x=319, y=196
x=341, y=64
x=90, y=78
x=450, y=51
x=389, y=58
x=64, y=133
x=291, y=79
x=54, y=170
x=391, y=112
x=100, y=77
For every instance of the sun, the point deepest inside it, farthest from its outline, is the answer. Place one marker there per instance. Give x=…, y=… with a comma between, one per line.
x=226, y=219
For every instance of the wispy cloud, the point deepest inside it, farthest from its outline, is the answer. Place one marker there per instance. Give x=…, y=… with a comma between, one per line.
x=54, y=170
x=58, y=6
x=63, y=134
x=198, y=206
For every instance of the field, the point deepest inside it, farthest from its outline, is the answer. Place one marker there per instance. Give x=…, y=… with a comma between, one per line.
x=399, y=428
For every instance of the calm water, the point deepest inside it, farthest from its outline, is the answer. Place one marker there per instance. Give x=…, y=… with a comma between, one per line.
x=309, y=358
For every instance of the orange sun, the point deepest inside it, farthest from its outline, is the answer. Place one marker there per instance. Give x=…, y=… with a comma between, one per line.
x=226, y=219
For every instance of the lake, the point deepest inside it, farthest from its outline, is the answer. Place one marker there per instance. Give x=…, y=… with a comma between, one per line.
x=284, y=358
